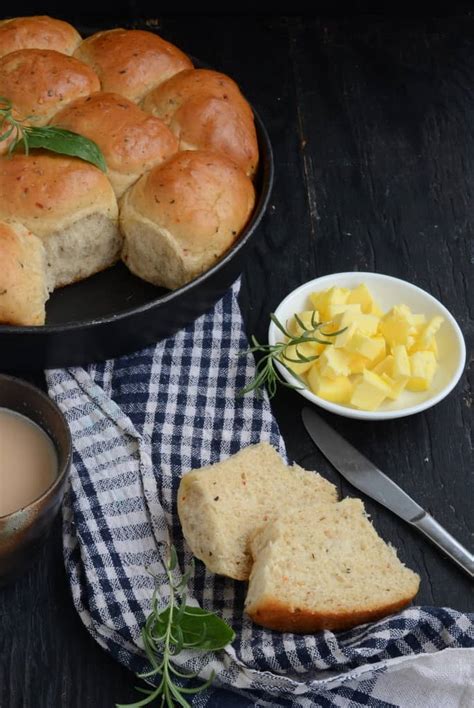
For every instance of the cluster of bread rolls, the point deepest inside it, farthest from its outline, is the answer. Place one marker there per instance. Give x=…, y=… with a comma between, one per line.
x=180, y=147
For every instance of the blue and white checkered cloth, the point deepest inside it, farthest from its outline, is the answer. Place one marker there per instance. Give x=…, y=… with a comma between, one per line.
x=138, y=423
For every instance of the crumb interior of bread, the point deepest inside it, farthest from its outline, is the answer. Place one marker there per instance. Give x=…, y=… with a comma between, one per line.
x=327, y=559
x=229, y=502
x=81, y=249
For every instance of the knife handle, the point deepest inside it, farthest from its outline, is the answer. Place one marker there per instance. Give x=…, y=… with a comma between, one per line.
x=447, y=543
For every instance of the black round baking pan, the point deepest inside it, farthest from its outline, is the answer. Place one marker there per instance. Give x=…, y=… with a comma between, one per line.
x=115, y=313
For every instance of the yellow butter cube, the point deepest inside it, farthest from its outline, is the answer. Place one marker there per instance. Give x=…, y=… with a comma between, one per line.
x=385, y=366
x=358, y=363
x=334, y=363
x=423, y=367
x=401, y=364
x=341, y=339
x=376, y=310
x=307, y=318
x=427, y=334
x=337, y=390
x=396, y=387
x=322, y=300
x=332, y=311
x=372, y=348
x=362, y=296
x=370, y=391
x=396, y=326
x=290, y=357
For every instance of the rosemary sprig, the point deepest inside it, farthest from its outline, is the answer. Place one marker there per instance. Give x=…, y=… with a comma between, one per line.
x=267, y=373
x=167, y=632
x=48, y=137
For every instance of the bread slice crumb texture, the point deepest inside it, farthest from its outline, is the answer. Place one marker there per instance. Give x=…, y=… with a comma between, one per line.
x=222, y=506
x=325, y=567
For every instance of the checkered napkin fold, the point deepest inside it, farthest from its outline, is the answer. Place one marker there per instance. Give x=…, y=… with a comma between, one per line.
x=138, y=422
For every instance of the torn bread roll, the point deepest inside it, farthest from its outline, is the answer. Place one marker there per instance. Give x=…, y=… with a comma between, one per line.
x=179, y=219
x=325, y=567
x=39, y=82
x=206, y=111
x=222, y=506
x=131, y=140
x=70, y=205
x=23, y=276
x=38, y=32
x=131, y=62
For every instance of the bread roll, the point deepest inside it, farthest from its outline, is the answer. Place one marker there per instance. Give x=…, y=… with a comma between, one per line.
x=37, y=32
x=69, y=204
x=39, y=82
x=222, y=506
x=206, y=111
x=131, y=140
x=180, y=218
x=131, y=62
x=325, y=567
x=23, y=279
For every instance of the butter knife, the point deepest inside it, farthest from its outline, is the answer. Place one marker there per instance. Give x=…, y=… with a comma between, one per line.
x=366, y=477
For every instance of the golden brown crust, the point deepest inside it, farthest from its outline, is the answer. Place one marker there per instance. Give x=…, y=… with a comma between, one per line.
x=131, y=62
x=46, y=192
x=38, y=32
x=131, y=140
x=212, y=124
x=22, y=276
x=206, y=111
x=165, y=100
x=201, y=197
x=275, y=615
x=39, y=82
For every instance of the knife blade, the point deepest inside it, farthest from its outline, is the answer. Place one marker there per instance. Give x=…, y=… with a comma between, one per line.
x=368, y=478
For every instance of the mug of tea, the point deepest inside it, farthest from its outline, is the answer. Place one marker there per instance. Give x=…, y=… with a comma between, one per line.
x=35, y=458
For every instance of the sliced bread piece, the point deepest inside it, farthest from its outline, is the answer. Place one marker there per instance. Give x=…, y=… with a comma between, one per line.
x=222, y=506
x=325, y=567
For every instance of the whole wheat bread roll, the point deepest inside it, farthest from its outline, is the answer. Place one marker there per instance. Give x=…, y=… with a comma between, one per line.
x=206, y=111
x=39, y=82
x=23, y=276
x=37, y=32
x=131, y=140
x=131, y=62
x=325, y=567
x=70, y=205
x=222, y=506
x=179, y=219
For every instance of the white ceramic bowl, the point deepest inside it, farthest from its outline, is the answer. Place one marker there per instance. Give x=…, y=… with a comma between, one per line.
x=388, y=292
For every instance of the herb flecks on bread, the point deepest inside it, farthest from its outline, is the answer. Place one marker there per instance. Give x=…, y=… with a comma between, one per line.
x=325, y=567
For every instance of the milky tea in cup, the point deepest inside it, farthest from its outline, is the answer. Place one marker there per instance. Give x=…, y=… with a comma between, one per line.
x=28, y=461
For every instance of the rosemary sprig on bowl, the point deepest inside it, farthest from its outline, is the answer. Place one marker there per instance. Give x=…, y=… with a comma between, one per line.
x=48, y=137
x=170, y=630
x=267, y=373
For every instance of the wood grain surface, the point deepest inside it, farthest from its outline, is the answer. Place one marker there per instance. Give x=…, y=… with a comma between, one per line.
x=371, y=121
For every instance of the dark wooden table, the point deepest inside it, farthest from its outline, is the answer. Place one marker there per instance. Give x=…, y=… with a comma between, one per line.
x=371, y=120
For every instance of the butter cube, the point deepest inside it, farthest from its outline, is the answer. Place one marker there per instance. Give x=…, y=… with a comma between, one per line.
x=396, y=326
x=290, y=357
x=370, y=391
x=341, y=340
x=423, y=367
x=384, y=367
x=334, y=363
x=362, y=296
x=307, y=318
x=322, y=300
x=358, y=363
x=367, y=324
x=401, y=364
x=427, y=334
x=332, y=311
x=337, y=390
x=372, y=348
x=396, y=387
